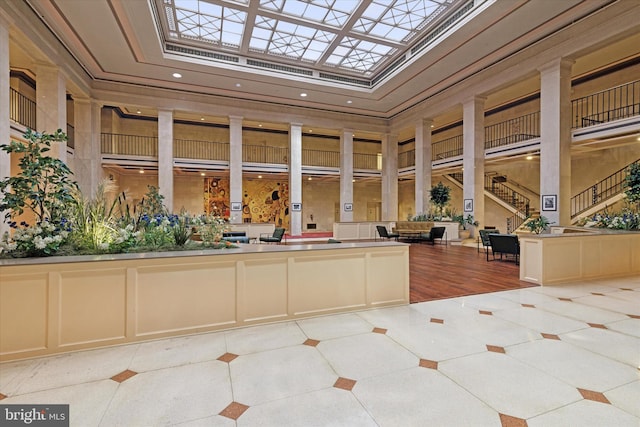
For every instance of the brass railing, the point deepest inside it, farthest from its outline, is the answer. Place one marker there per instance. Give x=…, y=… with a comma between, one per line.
x=265, y=154
x=366, y=161
x=616, y=103
x=321, y=158
x=406, y=159
x=201, y=150
x=129, y=145
x=446, y=148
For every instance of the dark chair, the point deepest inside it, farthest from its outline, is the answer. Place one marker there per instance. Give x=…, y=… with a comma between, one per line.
x=436, y=233
x=333, y=241
x=384, y=234
x=507, y=245
x=484, y=240
x=276, y=237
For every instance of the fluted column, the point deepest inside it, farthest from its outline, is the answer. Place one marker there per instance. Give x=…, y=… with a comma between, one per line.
x=473, y=156
x=555, y=137
x=295, y=179
x=165, y=157
x=235, y=168
x=51, y=105
x=423, y=166
x=346, y=176
x=390, y=177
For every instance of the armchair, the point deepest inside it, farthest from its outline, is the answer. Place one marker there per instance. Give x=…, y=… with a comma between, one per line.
x=436, y=233
x=484, y=240
x=276, y=237
x=384, y=234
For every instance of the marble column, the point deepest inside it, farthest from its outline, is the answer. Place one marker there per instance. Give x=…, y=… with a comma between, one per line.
x=51, y=105
x=423, y=150
x=346, y=176
x=235, y=168
x=295, y=179
x=5, y=129
x=165, y=157
x=473, y=157
x=87, y=167
x=390, y=177
x=555, y=137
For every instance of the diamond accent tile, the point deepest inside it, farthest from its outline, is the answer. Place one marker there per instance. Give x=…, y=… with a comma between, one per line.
x=633, y=316
x=597, y=325
x=565, y=299
x=234, y=410
x=431, y=364
x=123, y=376
x=379, y=331
x=509, y=421
x=594, y=395
x=488, y=313
x=3, y=396
x=528, y=305
x=345, y=383
x=496, y=349
x=434, y=320
x=550, y=336
x=311, y=342
x=227, y=357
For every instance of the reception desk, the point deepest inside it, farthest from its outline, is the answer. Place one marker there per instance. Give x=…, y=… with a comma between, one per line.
x=58, y=304
x=573, y=253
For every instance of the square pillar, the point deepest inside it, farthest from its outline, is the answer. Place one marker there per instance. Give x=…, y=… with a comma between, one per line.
x=346, y=175
x=295, y=179
x=423, y=165
x=235, y=168
x=473, y=156
x=87, y=167
x=165, y=157
x=555, y=139
x=51, y=105
x=390, y=177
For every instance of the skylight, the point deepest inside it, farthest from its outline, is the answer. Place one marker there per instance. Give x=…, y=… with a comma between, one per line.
x=355, y=37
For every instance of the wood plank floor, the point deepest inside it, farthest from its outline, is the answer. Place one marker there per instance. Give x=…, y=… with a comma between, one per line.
x=446, y=271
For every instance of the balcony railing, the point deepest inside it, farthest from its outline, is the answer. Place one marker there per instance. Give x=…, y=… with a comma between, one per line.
x=513, y=130
x=507, y=194
x=446, y=148
x=201, y=150
x=615, y=103
x=600, y=192
x=321, y=158
x=367, y=161
x=129, y=145
x=406, y=159
x=22, y=110
x=265, y=154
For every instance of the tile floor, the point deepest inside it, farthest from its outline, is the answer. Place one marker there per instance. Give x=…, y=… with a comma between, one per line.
x=546, y=356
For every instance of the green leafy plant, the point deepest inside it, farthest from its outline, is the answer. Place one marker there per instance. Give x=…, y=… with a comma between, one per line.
x=632, y=183
x=465, y=221
x=537, y=225
x=43, y=185
x=440, y=196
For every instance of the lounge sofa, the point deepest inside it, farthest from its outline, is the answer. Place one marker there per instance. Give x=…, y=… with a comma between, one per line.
x=413, y=227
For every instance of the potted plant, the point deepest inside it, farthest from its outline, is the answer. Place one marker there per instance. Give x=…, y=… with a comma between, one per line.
x=465, y=221
x=440, y=196
x=537, y=225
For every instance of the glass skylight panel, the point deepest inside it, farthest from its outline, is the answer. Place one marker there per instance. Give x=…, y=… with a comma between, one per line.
x=330, y=12
x=204, y=21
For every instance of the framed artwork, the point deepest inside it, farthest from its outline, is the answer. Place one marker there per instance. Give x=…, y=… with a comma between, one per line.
x=348, y=207
x=549, y=202
x=468, y=205
x=236, y=206
x=296, y=207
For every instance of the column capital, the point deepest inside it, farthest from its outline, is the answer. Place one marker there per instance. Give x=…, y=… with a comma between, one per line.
x=426, y=121
x=475, y=99
x=235, y=119
x=297, y=125
x=558, y=63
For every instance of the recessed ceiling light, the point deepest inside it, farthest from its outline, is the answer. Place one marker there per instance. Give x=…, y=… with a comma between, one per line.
x=202, y=118
x=201, y=173
x=138, y=111
x=260, y=125
x=309, y=179
x=177, y=75
x=238, y=85
x=303, y=94
x=260, y=176
x=141, y=170
x=349, y=101
x=529, y=157
x=431, y=125
x=310, y=130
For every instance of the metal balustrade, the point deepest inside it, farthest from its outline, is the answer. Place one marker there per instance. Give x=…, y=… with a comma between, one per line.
x=615, y=103
x=321, y=158
x=129, y=145
x=512, y=131
x=22, y=110
x=201, y=150
x=407, y=159
x=601, y=191
x=367, y=161
x=265, y=154
x=446, y=148
x=507, y=194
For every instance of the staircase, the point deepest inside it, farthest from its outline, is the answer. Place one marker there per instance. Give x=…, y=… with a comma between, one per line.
x=600, y=195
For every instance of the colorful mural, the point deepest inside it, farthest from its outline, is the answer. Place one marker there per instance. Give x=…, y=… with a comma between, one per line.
x=262, y=201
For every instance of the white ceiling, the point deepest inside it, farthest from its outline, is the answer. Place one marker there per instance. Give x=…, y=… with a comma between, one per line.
x=121, y=42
